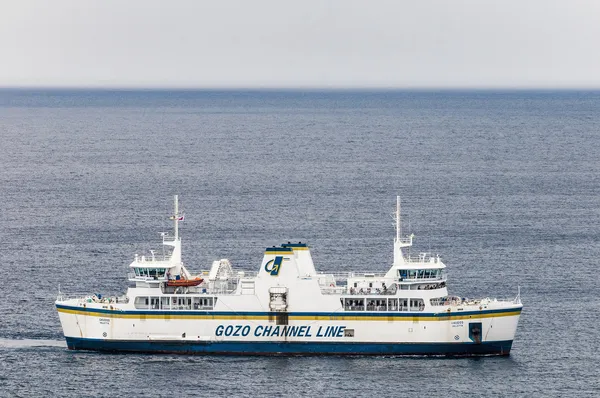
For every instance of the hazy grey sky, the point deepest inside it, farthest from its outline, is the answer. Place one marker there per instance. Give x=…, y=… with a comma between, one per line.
x=279, y=43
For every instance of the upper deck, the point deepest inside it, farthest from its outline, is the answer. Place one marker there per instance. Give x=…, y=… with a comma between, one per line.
x=161, y=281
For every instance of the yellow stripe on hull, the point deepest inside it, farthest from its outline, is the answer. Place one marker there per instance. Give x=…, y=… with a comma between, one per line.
x=444, y=317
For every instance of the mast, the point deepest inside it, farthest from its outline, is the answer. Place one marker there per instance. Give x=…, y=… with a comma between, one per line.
x=398, y=234
x=176, y=216
x=398, y=256
x=175, y=242
x=398, y=243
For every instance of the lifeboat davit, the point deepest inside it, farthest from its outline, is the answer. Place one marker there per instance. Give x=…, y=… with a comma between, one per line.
x=185, y=282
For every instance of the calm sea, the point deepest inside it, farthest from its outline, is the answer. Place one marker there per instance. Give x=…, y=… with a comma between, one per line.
x=504, y=185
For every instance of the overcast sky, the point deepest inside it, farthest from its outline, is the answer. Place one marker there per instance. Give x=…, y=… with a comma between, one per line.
x=279, y=43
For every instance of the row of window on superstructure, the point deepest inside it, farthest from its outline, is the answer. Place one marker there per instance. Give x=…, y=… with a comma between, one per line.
x=411, y=274
x=150, y=272
x=175, y=303
x=382, y=304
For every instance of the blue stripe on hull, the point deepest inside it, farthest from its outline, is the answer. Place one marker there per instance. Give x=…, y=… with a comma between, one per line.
x=292, y=348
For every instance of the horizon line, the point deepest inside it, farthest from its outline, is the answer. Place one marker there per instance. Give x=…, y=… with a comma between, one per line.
x=300, y=88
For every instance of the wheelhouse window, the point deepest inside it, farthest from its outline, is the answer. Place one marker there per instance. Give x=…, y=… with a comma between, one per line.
x=150, y=272
x=427, y=273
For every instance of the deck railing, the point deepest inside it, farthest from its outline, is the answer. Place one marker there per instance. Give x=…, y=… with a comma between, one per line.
x=339, y=276
x=92, y=298
x=141, y=259
x=454, y=301
x=423, y=258
x=352, y=274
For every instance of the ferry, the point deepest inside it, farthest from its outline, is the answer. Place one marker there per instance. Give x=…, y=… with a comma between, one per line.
x=288, y=308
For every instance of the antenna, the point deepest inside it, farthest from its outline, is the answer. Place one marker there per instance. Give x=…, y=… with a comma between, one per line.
x=163, y=234
x=398, y=232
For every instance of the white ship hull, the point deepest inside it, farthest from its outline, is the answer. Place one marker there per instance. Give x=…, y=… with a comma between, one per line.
x=257, y=333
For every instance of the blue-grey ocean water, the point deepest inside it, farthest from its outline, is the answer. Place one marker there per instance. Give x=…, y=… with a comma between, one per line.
x=504, y=185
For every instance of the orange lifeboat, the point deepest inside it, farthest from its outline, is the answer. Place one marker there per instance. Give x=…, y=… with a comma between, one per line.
x=185, y=282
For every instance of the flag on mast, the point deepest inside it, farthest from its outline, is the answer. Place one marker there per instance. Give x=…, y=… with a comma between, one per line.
x=178, y=218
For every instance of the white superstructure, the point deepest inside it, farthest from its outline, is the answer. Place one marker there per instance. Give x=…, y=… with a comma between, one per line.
x=289, y=308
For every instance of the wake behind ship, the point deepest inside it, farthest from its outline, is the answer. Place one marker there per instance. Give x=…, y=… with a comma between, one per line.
x=288, y=308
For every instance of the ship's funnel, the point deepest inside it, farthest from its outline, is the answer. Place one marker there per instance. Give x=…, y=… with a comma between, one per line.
x=290, y=260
